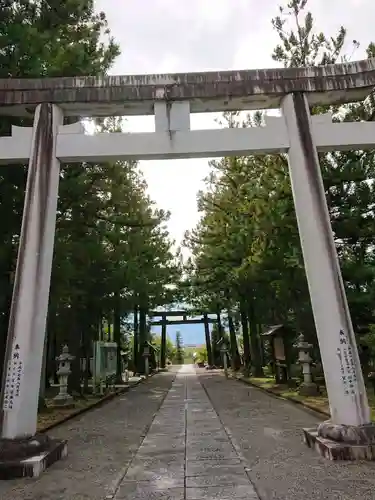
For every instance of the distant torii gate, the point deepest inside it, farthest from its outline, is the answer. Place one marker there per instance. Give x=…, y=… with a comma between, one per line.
x=164, y=322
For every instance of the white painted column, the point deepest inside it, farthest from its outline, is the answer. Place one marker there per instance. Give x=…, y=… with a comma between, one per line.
x=28, y=314
x=342, y=369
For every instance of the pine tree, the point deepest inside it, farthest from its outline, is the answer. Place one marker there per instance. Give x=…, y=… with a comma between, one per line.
x=180, y=355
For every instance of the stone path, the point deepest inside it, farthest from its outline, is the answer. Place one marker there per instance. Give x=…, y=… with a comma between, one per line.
x=267, y=433
x=187, y=453
x=101, y=444
x=196, y=436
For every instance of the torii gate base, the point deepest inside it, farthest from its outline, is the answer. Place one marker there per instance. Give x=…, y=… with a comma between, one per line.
x=350, y=433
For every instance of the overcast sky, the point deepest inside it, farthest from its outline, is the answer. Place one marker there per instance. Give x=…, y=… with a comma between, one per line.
x=161, y=36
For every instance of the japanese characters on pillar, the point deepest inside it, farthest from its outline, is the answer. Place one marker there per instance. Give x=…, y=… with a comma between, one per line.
x=13, y=378
x=347, y=366
x=342, y=369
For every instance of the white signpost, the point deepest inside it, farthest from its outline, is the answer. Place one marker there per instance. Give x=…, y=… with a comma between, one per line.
x=171, y=99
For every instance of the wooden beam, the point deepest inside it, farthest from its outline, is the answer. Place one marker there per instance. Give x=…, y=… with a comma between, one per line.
x=213, y=91
x=186, y=322
x=191, y=314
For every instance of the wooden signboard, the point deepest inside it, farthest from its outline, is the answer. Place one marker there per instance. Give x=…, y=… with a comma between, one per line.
x=279, y=348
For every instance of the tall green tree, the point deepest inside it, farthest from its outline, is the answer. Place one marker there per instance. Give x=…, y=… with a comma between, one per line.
x=113, y=253
x=40, y=38
x=246, y=252
x=180, y=355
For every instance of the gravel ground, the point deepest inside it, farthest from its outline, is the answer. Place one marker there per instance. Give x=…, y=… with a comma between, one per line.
x=100, y=444
x=267, y=433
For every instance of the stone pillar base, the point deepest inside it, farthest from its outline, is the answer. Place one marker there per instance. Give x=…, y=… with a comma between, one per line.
x=65, y=402
x=308, y=389
x=29, y=457
x=338, y=450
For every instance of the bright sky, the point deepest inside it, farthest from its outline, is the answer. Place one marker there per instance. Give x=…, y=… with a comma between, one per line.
x=167, y=36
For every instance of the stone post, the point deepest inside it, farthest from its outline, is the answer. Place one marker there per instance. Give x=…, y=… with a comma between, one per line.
x=146, y=355
x=350, y=414
x=27, y=322
x=308, y=387
x=63, y=398
x=224, y=352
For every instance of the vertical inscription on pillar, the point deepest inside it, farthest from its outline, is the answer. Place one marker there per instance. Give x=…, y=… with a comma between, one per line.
x=13, y=378
x=347, y=367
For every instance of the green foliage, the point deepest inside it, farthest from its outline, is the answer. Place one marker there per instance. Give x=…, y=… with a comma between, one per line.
x=170, y=347
x=112, y=249
x=202, y=355
x=246, y=251
x=180, y=355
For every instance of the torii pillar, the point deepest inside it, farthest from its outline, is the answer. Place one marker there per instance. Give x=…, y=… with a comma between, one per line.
x=349, y=434
x=163, y=347
x=27, y=323
x=208, y=339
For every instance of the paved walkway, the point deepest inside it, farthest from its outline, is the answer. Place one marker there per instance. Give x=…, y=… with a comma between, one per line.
x=192, y=437
x=187, y=453
x=101, y=444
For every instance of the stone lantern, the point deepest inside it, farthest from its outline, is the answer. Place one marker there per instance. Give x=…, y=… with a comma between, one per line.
x=224, y=352
x=146, y=354
x=63, y=399
x=308, y=387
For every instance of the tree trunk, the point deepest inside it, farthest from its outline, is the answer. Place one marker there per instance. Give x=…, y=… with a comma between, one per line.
x=136, y=341
x=54, y=355
x=117, y=336
x=43, y=374
x=215, y=337
x=245, y=336
x=109, y=322
x=142, y=339
x=219, y=325
x=101, y=331
x=86, y=337
x=256, y=358
x=261, y=345
x=74, y=381
x=234, y=354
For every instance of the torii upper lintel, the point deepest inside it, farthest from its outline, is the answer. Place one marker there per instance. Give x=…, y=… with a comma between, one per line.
x=213, y=91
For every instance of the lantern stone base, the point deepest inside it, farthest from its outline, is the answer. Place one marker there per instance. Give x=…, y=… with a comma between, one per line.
x=338, y=442
x=63, y=402
x=29, y=457
x=308, y=389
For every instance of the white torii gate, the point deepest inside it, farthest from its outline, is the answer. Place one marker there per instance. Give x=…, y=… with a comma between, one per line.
x=171, y=99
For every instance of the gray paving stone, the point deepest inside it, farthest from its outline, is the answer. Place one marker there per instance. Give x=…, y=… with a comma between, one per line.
x=162, y=483
x=213, y=467
x=151, y=470
x=196, y=434
x=222, y=492
x=207, y=454
x=165, y=435
x=160, y=452
x=214, y=439
x=140, y=493
x=162, y=445
x=219, y=480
